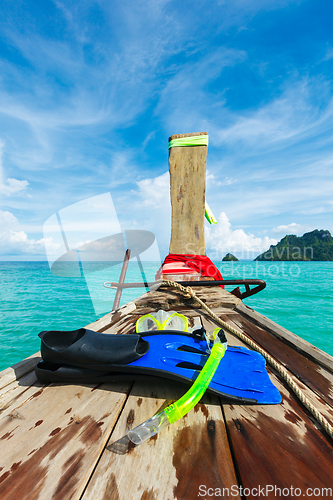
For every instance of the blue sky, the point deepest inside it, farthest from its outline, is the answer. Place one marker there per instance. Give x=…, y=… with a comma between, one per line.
x=90, y=91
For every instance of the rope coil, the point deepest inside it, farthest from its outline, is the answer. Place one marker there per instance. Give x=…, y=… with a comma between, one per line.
x=189, y=293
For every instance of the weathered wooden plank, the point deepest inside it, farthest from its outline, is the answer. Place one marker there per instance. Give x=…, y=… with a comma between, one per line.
x=19, y=391
x=191, y=312
x=181, y=277
x=18, y=370
x=297, y=342
x=307, y=371
x=175, y=463
x=50, y=444
x=111, y=318
x=124, y=325
x=181, y=309
x=263, y=437
x=170, y=299
x=279, y=446
x=218, y=311
x=187, y=167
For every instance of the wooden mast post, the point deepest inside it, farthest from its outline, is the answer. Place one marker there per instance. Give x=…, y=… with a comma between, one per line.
x=187, y=165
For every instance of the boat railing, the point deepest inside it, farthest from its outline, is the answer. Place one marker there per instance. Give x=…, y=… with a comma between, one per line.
x=260, y=285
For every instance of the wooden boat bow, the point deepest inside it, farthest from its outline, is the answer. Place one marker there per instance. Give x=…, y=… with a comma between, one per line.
x=65, y=441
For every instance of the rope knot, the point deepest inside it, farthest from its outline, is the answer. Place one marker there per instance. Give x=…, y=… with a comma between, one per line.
x=189, y=293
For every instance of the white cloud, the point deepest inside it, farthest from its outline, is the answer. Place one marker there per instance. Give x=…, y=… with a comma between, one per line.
x=212, y=180
x=56, y=107
x=111, y=86
x=149, y=208
x=7, y=220
x=13, y=187
x=221, y=239
x=304, y=108
x=210, y=177
x=329, y=54
x=155, y=192
x=228, y=181
x=293, y=228
x=14, y=241
x=191, y=102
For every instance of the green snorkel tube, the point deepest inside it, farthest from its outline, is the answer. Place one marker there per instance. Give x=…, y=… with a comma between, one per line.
x=177, y=410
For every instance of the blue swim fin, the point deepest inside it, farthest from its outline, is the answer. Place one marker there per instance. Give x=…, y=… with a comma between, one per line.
x=84, y=356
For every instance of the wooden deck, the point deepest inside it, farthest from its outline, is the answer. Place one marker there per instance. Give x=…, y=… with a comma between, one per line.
x=66, y=441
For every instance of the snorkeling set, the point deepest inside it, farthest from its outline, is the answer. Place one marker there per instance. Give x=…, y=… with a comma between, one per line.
x=163, y=346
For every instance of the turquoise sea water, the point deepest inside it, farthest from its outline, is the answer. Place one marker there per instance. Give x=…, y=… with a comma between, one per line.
x=298, y=296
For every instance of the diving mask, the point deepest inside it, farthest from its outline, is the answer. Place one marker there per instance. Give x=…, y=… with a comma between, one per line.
x=162, y=320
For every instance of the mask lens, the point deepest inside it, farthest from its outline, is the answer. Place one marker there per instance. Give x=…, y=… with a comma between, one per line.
x=177, y=322
x=146, y=324
x=150, y=325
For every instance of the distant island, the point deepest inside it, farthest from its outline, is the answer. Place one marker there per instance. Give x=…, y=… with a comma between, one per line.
x=229, y=257
x=316, y=245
